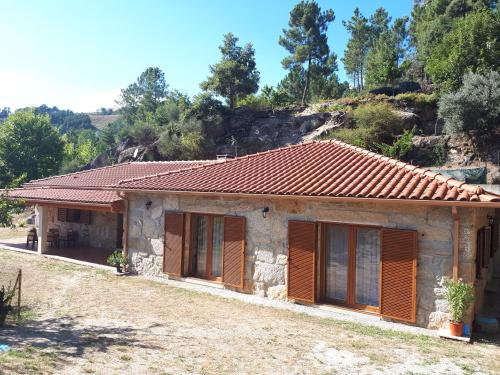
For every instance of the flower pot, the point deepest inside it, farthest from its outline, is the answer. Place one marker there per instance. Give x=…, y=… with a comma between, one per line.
x=118, y=268
x=456, y=329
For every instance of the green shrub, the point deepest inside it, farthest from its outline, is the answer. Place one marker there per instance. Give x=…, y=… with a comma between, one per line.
x=440, y=154
x=459, y=295
x=333, y=107
x=401, y=146
x=117, y=258
x=354, y=136
x=417, y=98
x=474, y=108
x=255, y=102
x=141, y=132
x=375, y=124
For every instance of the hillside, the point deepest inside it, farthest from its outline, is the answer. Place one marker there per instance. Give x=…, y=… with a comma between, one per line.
x=101, y=121
x=245, y=130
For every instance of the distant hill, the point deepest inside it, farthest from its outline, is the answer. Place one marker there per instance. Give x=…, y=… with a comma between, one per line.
x=101, y=121
x=64, y=119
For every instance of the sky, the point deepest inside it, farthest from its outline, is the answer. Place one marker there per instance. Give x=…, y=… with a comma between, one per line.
x=78, y=54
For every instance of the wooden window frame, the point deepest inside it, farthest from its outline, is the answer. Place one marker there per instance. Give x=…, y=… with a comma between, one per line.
x=74, y=215
x=192, y=233
x=351, y=268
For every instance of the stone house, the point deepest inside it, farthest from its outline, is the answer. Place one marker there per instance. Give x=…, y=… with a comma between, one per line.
x=321, y=223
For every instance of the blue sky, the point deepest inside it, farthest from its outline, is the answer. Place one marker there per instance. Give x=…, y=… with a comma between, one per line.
x=79, y=54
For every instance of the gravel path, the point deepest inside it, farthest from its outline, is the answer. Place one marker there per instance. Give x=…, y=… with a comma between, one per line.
x=84, y=320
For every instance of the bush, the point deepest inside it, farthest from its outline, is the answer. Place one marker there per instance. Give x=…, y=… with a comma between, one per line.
x=333, y=107
x=255, y=102
x=401, y=146
x=142, y=133
x=473, y=109
x=117, y=258
x=417, y=98
x=459, y=296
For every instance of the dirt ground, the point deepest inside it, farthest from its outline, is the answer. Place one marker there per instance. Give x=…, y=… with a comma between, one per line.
x=80, y=320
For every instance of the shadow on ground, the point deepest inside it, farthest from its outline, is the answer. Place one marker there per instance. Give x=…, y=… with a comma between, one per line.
x=64, y=338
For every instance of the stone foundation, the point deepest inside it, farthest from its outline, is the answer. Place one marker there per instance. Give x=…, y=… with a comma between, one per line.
x=266, y=239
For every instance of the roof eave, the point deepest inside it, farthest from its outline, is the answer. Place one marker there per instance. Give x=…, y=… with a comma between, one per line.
x=428, y=202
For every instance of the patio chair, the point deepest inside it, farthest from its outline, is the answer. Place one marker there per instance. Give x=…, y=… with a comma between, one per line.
x=71, y=238
x=53, y=237
x=32, y=238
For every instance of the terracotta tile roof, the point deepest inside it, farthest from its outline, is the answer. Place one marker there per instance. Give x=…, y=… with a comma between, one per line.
x=326, y=168
x=105, y=197
x=111, y=175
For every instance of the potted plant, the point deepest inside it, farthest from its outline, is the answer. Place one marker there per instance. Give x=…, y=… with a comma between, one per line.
x=117, y=260
x=459, y=296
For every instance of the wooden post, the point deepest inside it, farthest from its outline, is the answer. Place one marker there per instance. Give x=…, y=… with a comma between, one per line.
x=19, y=276
x=456, y=240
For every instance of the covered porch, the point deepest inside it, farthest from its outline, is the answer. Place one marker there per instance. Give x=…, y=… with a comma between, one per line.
x=73, y=227
x=78, y=253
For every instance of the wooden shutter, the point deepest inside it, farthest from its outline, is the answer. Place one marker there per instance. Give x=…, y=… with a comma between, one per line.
x=173, y=250
x=301, y=260
x=398, y=274
x=84, y=217
x=61, y=215
x=233, y=251
x=494, y=237
x=479, y=252
x=487, y=246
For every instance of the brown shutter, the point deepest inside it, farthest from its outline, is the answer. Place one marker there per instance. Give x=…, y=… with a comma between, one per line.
x=173, y=250
x=301, y=260
x=398, y=274
x=233, y=253
x=487, y=246
x=61, y=214
x=479, y=252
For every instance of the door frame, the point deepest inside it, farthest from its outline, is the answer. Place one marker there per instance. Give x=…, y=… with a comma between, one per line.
x=351, y=267
x=193, y=231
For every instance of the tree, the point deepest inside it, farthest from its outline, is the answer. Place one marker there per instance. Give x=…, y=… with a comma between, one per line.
x=433, y=19
x=357, y=48
x=306, y=40
x=236, y=74
x=473, y=44
x=143, y=97
x=475, y=107
x=29, y=144
x=384, y=58
x=378, y=24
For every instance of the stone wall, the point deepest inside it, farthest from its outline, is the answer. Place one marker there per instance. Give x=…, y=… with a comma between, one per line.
x=100, y=233
x=266, y=239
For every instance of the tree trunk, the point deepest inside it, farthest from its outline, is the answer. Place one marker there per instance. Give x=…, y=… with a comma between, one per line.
x=231, y=100
x=306, y=86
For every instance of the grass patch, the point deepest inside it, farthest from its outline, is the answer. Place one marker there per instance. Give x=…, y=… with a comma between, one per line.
x=125, y=357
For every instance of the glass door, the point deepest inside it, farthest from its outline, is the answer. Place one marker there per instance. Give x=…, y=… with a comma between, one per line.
x=206, y=251
x=200, y=254
x=367, y=266
x=337, y=262
x=351, y=266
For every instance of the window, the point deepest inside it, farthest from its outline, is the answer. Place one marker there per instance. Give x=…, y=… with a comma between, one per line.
x=351, y=266
x=206, y=250
x=70, y=215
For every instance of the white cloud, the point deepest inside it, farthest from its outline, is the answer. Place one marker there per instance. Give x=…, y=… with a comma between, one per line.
x=26, y=90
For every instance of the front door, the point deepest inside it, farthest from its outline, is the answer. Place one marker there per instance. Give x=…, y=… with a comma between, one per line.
x=207, y=239
x=352, y=266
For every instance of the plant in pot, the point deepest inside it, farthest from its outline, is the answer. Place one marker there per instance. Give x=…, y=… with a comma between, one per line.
x=117, y=260
x=459, y=296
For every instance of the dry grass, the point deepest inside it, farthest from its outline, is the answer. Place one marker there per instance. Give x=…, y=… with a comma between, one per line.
x=89, y=321
x=101, y=121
